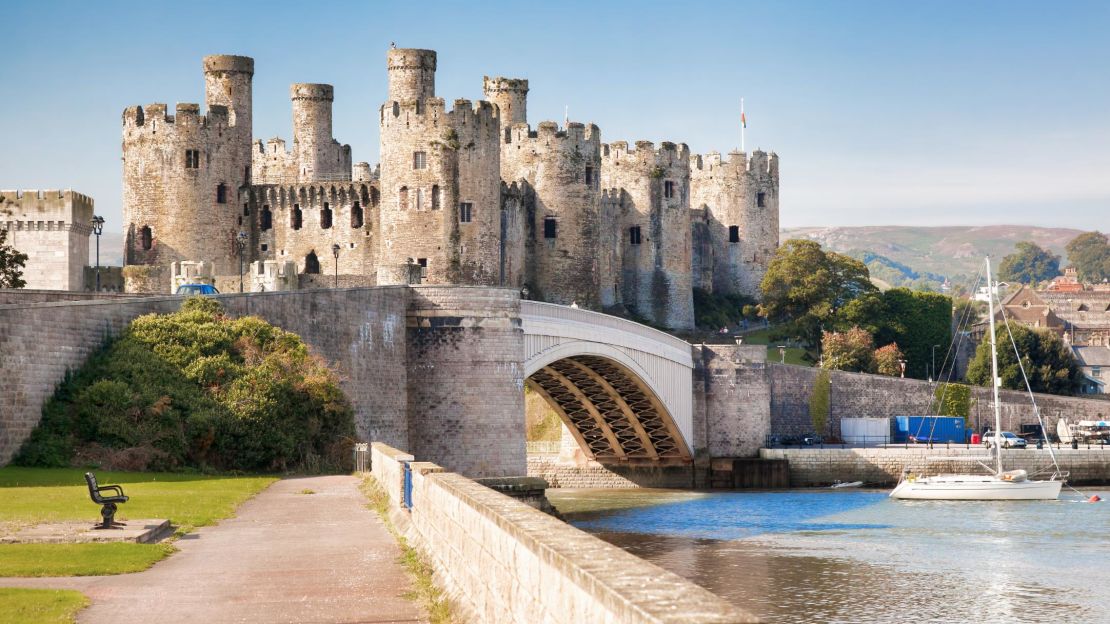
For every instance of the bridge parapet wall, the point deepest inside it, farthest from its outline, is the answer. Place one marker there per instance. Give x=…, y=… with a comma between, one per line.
x=504, y=561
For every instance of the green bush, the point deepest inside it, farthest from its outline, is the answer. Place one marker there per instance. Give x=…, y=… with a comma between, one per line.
x=819, y=401
x=197, y=389
x=953, y=400
x=717, y=310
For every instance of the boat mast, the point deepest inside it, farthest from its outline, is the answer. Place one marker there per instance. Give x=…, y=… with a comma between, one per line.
x=994, y=373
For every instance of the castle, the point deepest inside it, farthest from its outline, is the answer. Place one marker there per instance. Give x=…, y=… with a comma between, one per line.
x=467, y=195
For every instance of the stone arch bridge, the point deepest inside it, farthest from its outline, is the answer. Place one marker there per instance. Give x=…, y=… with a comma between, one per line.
x=623, y=389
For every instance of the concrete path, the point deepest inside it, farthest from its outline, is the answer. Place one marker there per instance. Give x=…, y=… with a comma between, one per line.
x=285, y=557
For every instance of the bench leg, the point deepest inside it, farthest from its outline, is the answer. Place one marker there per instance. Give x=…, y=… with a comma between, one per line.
x=108, y=513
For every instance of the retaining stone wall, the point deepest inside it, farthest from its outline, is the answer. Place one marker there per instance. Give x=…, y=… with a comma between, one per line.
x=874, y=466
x=857, y=394
x=503, y=561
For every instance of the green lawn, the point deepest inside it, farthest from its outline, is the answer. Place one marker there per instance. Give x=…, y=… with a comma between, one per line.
x=34, y=495
x=794, y=355
x=40, y=606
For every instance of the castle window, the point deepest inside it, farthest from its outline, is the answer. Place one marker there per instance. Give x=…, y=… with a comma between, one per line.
x=221, y=193
x=312, y=263
x=265, y=247
x=465, y=209
x=375, y=197
x=356, y=215
x=404, y=198
x=192, y=159
x=325, y=217
x=435, y=197
x=589, y=176
x=419, y=160
x=419, y=199
x=549, y=226
x=734, y=233
x=246, y=210
x=668, y=189
x=247, y=174
x=295, y=217
x=423, y=262
x=266, y=220
x=761, y=200
x=146, y=237
x=634, y=235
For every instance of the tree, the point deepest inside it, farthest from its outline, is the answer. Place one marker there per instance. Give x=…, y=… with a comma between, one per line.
x=852, y=351
x=1047, y=360
x=11, y=264
x=915, y=320
x=887, y=360
x=819, y=401
x=1089, y=253
x=805, y=287
x=1029, y=264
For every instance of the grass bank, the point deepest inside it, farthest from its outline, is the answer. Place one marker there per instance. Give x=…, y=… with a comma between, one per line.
x=40, y=606
x=35, y=495
x=424, y=588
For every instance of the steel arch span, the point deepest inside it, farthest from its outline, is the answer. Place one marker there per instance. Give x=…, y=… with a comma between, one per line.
x=624, y=390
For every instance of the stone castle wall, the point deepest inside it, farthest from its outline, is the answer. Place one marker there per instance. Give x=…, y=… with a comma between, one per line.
x=563, y=170
x=53, y=228
x=741, y=193
x=656, y=274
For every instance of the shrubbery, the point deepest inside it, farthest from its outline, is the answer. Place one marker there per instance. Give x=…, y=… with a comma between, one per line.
x=197, y=389
x=716, y=310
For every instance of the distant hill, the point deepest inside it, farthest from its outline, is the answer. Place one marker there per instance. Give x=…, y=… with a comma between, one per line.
x=931, y=253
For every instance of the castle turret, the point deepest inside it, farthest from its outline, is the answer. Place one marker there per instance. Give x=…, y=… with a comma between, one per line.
x=318, y=155
x=227, y=83
x=412, y=74
x=740, y=200
x=562, y=232
x=511, y=96
x=440, y=179
x=656, y=279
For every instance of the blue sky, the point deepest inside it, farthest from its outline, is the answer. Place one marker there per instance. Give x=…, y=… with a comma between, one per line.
x=917, y=113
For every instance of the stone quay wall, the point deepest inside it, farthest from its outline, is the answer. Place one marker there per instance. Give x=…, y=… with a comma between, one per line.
x=861, y=395
x=501, y=560
x=883, y=466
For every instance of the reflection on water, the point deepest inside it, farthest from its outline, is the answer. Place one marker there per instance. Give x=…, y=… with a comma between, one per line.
x=857, y=556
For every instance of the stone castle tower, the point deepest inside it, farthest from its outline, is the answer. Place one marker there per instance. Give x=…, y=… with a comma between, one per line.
x=470, y=195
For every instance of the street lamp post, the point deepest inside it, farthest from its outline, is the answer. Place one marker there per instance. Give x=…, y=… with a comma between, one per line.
x=335, y=252
x=241, y=245
x=902, y=364
x=782, y=353
x=98, y=229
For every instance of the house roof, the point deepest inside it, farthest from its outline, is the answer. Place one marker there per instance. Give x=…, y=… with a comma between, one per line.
x=1092, y=356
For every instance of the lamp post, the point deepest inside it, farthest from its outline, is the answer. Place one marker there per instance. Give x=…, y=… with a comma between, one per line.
x=782, y=353
x=902, y=364
x=98, y=229
x=335, y=252
x=241, y=245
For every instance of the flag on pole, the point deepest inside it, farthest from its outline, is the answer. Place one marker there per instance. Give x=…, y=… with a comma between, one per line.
x=743, y=118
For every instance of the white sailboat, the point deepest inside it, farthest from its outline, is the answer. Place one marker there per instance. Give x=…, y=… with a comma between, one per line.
x=1002, y=485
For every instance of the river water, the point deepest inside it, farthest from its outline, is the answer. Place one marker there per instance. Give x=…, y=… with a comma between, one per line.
x=858, y=556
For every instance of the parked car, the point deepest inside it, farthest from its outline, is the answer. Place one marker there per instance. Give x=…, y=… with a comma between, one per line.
x=1009, y=439
x=197, y=289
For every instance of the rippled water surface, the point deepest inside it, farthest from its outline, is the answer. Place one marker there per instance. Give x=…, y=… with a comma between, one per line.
x=858, y=556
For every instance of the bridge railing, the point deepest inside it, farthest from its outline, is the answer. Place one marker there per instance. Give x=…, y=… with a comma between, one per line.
x=599, y=320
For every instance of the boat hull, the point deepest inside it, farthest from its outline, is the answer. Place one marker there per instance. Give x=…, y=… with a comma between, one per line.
x=976, y=488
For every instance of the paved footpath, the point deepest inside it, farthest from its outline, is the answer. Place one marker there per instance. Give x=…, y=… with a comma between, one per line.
x=285, y=557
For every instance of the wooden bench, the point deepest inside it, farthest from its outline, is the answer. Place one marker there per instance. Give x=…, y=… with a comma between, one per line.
x=108, y=509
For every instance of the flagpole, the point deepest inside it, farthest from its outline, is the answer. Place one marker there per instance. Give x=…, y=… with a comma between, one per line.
x=742, y=124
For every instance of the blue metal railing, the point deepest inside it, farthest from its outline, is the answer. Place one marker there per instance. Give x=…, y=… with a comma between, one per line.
x=407, y=498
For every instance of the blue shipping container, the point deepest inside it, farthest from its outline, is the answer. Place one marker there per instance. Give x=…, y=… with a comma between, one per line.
x=928, y=429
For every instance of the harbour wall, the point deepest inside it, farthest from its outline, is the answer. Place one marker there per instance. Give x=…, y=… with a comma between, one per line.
x=884, y=466
x=501, y=560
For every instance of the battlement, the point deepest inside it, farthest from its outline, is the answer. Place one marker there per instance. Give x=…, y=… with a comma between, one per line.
x=548, y=133
x=229, y=63
x=410, y=58
x=186, y=115
x=45, y=209
x=312, y=194
x=498, y=84
x=412, y=74
x=758, y=163
x=668, y=155
x=273, y=146
x=312, y=92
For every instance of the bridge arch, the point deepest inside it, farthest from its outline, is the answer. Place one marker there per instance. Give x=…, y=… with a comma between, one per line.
x=621, y=388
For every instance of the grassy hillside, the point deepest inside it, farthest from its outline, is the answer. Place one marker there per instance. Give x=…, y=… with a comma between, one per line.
x=943, y=251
